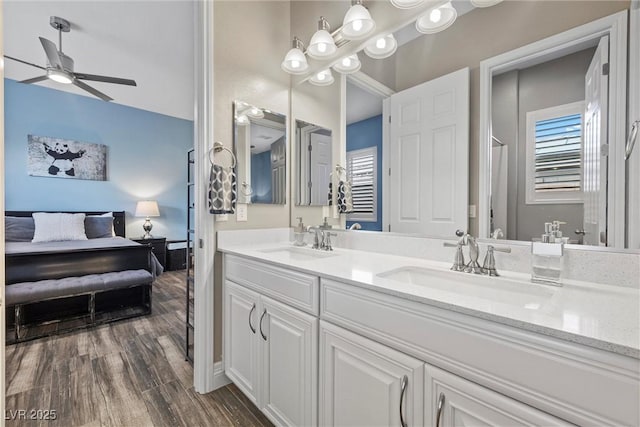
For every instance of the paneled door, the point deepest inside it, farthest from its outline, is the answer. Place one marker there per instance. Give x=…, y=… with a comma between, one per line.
x=320, y=147
x=363, y=383
x=428, y=158
x=289, y=366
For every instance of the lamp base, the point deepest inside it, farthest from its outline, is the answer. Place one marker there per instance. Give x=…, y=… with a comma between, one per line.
x=147, y=226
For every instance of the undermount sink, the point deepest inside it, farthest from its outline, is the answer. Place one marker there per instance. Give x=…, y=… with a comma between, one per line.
x=497, y=289
x=300, y=253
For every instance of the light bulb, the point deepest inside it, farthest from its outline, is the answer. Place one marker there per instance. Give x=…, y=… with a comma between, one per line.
x=255, y=111
x=357, y=25
x=381, y=43
x=295, y=64
x=322, y=47
x=346, y=62
x=320, y=76
x=435, y=15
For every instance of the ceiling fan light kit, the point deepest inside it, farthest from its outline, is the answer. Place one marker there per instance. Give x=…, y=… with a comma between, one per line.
x=60, y=67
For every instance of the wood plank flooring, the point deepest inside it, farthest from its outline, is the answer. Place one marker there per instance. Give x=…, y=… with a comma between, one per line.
x=129, y=373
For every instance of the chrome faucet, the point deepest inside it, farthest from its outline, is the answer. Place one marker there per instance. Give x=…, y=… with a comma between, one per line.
x=458, y=262
x=474, y=252
x=318, y=239
x=489, y=264
x=327, y=240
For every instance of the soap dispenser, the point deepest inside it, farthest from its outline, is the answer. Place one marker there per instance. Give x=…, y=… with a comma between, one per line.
x=547, y=256
x=299, y=233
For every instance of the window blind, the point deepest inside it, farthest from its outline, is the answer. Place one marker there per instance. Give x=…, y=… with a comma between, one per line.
x=361, y=172
x=558, y=153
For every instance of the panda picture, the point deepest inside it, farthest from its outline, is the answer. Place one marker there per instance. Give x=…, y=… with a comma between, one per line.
x=63, y=158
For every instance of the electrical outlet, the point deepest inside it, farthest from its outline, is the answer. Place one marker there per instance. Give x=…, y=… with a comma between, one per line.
x=241, y=213
x=472, y=211
x=222, y=217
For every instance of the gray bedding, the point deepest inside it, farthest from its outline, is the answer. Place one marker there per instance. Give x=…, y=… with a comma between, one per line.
x=16, y=248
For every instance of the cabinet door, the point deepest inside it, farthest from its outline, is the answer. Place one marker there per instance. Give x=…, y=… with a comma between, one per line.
x=361, y=382
x=453, y=401
x=241, y=343
x=289, y=364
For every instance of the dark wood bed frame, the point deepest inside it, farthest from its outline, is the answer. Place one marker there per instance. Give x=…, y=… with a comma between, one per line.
x=33, y=267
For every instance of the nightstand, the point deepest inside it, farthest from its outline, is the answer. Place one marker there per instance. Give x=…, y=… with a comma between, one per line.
x=158, y=246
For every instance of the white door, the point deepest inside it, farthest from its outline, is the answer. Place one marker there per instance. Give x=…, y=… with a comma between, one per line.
x=320, y=146
x=361, y=382
x=464, y=403
x=278, y=173
x=428, y=158
x=594, y=158
x=289, y=364
x=241, y=344
x=633, y=163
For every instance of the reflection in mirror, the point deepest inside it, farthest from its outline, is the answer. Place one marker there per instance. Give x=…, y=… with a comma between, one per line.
x=313, y=164
x=260, y=141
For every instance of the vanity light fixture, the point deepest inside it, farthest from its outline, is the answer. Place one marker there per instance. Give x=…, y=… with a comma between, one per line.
x=322, y=78
x=381, y=47
x=485, y=3
x=406, y=4
x=348, y=65
x=357, y=23
x=254, y=113
x=242, y=120
x=437, y=19
x=295, y=62
x=322, y=44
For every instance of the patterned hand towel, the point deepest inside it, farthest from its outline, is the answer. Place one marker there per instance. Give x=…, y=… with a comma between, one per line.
x=330, y=194
x=223, y=194
x=345, y=197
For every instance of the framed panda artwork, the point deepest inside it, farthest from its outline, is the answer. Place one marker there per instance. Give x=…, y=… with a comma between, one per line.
x=64, y=158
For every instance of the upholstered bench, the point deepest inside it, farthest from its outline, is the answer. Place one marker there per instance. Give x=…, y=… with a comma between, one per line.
x=20, y=294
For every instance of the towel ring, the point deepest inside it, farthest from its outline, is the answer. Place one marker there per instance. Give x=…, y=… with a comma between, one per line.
x=341, y=171
x=244, y=191
x=218, y=147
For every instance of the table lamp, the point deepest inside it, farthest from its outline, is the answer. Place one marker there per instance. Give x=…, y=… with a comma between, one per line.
x=147, y=209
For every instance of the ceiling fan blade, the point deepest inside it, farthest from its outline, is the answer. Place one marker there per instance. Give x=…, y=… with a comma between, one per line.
x=106, y=79
x=24, y=62
x=34, y=80
x=91, y=90
x=52, y=53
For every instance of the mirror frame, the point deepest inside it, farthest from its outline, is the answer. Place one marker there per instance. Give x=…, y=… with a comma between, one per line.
x=615, y=26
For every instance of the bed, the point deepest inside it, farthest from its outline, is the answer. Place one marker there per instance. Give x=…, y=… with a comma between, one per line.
x=61, y=285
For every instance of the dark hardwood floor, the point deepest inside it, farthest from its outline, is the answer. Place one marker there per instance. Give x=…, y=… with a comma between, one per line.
x=129, y=373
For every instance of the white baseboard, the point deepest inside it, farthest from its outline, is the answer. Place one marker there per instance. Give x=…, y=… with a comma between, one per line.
x=219, y=378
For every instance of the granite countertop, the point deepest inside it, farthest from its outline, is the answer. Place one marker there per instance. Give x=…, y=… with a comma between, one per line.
x=600, y=316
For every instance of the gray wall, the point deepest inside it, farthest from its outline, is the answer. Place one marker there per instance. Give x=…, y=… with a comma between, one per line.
x=553, y=83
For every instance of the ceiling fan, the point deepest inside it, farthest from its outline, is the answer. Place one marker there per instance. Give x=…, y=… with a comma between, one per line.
x=60, y=66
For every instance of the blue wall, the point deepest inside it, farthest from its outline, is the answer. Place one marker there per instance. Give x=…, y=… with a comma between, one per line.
x=364, y=134
x=146, y=156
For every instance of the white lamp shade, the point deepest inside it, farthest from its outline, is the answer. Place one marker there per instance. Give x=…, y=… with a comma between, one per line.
x=321, y=45
x=295, y=62
x=348, y=65
x=147, y=208
x=485, y=3
x=437, y=19
x=357, y=23
x=381, y=47
x=322, y=78
x=406, y=4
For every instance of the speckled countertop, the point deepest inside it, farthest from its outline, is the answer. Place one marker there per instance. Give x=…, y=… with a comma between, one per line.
x=604, y=317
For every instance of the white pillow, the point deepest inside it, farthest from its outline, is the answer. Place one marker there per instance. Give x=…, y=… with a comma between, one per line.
x=57, y=227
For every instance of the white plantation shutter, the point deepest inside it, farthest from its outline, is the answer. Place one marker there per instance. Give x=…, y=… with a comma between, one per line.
x=362, y=173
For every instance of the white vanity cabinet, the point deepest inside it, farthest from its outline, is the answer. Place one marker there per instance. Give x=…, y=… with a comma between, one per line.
x=270, y=348
x=365, y=383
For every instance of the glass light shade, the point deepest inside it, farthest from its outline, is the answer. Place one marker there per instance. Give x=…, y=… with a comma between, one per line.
x=322, y=78
x=147, y=208
x=321, y=45
x=406, y=4
x=485, y=3
x=382, y=47
x=348, y=65
x=295, y=62
x=357, y=23
x=254, y=113
x=437, y=19
x=59, y=76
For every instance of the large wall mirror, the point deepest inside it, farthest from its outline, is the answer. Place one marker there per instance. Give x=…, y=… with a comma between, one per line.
x=312, y=164
x=260, y=138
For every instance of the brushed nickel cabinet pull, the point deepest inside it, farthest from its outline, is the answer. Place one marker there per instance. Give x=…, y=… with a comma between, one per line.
x=440, y=406
x=403, y=390
x=250, y=315
x=264, y=337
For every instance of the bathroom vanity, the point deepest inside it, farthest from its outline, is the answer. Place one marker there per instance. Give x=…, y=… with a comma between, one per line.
x=357, y=337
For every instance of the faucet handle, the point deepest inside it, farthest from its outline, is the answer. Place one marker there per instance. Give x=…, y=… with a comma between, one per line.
x=489, y=264
x=327, y=240
x=499, y=249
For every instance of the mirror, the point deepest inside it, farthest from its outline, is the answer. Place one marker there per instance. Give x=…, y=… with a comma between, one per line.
x=313, y=164
x=260, y=139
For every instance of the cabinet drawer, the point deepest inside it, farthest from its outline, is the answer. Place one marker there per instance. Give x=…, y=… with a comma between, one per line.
x=296, y=289
x=580, y=384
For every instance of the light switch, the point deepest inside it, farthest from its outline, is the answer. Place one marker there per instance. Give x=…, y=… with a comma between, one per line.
x=222, y=217
x=472, y=211
x=241, y=213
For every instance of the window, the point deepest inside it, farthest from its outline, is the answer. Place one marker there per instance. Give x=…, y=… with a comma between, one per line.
x=554, y=152
x=362, y=173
